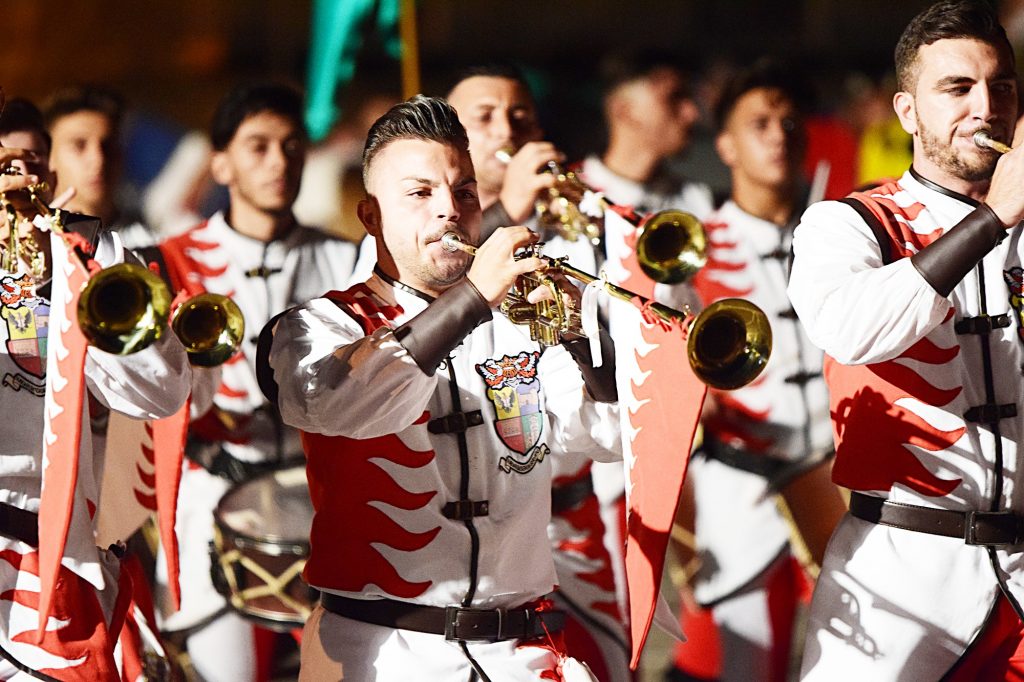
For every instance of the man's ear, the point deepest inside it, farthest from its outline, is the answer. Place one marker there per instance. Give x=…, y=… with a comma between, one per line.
x=726, y=148
x=220, y=169
x=369, y=215
x=906, y=109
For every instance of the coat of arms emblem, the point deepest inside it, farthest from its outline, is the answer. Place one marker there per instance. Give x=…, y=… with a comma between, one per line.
x=514, y=390
x=28, y=320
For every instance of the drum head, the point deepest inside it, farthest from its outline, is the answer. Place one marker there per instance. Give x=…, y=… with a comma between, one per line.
x=274, y=507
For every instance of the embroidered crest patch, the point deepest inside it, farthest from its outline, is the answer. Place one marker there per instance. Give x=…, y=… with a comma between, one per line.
x=28, y=320
x=514, y=390
x=1014, y=278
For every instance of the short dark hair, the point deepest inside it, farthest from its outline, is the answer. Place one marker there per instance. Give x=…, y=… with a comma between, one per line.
x=947, y=19
x=495, y=69
x=766, y=73
x=249, y=99
x=20, y=115
x=76, y=98
x=420, y=118
x=625, y=67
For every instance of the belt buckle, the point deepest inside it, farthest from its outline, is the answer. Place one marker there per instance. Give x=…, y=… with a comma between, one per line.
x=451, y=624
x=971, y=520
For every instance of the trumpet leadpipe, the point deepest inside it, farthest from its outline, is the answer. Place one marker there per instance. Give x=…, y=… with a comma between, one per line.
x=984, y=139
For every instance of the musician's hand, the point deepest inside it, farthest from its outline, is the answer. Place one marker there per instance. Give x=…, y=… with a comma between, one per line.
x=1004, y=195
x=10, y=155
x=571, y=295
x=495, y=268
x=525, y=178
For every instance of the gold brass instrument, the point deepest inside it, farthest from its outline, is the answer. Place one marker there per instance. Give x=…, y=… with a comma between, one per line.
x=211, y=328
x=672, y=246
x=983, y=138
x=124, y=308
x=728, y=343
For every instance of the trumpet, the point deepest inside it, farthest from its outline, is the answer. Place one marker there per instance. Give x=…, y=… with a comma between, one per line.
x=679, y=245
x=984, y=139
x=125, y=307
x=728, y=343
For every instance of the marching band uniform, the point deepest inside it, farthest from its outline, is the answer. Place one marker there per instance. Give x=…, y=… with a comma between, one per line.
x=754, y=435
x=431, y=488
x=92, y=592
x=242, y=436
x=915, y=296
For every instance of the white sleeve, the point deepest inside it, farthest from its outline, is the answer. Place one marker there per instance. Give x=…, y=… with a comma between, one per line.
x=853, y=307
x=335, y=380
x=579, y=424
x=148, y=384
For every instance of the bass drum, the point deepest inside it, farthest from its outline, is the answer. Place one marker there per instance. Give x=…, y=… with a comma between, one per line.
x=260, y=546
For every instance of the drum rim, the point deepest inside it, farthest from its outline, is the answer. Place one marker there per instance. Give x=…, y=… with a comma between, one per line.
x=268, y=544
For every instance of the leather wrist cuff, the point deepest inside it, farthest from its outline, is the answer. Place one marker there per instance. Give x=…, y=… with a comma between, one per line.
x=600, y=381
x=432, y=334
x=945, y=262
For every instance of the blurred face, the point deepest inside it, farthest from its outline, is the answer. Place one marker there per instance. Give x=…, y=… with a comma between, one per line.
x=262, y=165
x=84, y=155
x=33, y=141
x=762, y=141
x=659, y=110
x=498, y=113
x=419, y=190
x=963, y=85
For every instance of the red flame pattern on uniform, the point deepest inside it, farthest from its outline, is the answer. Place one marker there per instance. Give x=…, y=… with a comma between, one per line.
x=80, y=637
x=346, y=483
x=147, y=495
x=708, y=281
x=587, y=541
x=872, y=431
x=905, y=240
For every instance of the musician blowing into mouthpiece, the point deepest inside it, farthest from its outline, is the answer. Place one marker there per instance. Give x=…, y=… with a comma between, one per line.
x=913, y=289
x=429, y=424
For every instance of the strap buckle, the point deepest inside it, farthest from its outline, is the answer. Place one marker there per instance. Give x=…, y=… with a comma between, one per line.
x=991, y=529
x=990, y=412
x=982, y=324
x=464, y=510
x=467, y=624
x=456, y=422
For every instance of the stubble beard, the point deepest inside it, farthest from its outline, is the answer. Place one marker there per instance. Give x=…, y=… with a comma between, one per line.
x=944, y=156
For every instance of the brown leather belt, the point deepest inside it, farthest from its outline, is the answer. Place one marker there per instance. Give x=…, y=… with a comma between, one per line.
x=570, y=495
x=996, y=529
x=454, y=622
x=19, y=524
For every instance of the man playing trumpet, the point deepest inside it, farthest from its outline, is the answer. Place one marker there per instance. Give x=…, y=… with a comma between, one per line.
x=913, y=291
x=429, y=426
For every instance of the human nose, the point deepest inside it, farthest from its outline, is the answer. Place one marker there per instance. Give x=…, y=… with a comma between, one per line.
x=445, y=205
x=501, y=126
x=981, y=103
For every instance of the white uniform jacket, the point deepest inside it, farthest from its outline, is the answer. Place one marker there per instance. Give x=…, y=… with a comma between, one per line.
x=379, y=478
x=783, y=414
x=891, y=602
x=149, y=384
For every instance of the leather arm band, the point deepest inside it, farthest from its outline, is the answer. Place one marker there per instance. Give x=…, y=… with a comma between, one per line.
x=600, y=381
x=494, y=216
x=945, y=262
x=432, y=334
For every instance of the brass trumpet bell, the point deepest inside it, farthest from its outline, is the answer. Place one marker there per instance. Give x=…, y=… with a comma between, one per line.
x=729, y=343
x=672, y=247
x=211, y=328
x=123, y=308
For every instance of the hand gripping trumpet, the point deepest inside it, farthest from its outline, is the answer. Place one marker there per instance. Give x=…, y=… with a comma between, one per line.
x=728, y=343
x=677, y=235
x=124, y=308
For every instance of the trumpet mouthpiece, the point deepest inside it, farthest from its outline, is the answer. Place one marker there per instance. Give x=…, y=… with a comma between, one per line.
x=984, y=139
x=504, y=154
x=452, y=242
